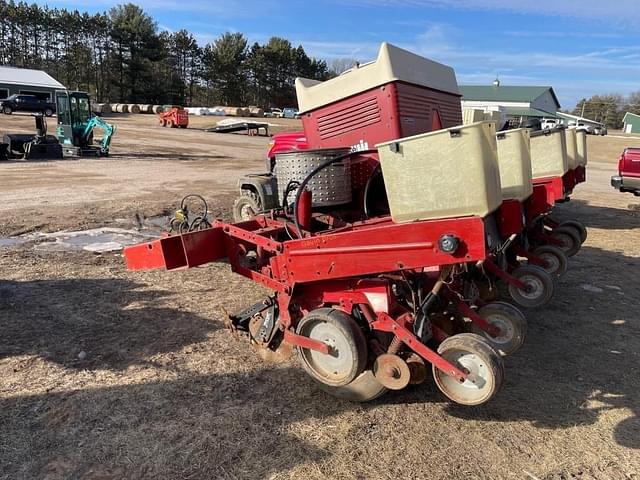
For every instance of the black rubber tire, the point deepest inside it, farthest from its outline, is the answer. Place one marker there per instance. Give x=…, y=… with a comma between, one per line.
x=497, y=313
x=560, y=261
x=569, y=237
x=580, y=228
x=246, y=200
x=352, y=336
x=539, y=279
x=364, y=388
x=475, y=345
x=48, y=112
x=7, y=110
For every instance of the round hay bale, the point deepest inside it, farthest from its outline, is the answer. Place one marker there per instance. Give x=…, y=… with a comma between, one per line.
x=245, y=112
x=233, y=111
x=256, y=112
x=134, y=108
x=104, y=107
x=157, y=109
x=122, y=108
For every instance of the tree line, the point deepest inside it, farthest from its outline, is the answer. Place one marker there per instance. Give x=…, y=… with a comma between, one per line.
x=121, y=56
x=608, y=109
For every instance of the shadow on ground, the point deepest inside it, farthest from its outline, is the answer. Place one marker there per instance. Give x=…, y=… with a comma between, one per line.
x=114, y=321
x=581, y=357
x=218, y=426
x=580, y=362
x=595, y=216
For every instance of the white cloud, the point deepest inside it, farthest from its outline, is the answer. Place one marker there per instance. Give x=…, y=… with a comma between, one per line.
x=362, y=51
x=573, y=75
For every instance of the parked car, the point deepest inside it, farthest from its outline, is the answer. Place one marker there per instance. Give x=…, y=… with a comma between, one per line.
x=27, y=103
x=549, y=123
x=582, y=127
x=628, y=178
x=290, y=113
x=600, y=130
x=273, y=113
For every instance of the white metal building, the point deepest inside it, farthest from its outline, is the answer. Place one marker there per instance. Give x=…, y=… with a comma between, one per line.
x=28, y=82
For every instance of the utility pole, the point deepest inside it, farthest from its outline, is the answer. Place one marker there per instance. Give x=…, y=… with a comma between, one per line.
x=584, y=101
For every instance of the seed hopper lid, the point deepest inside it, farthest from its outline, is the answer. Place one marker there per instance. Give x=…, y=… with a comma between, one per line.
x=392, y=65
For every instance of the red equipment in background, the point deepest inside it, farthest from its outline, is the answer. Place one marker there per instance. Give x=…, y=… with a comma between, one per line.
x=175, y=117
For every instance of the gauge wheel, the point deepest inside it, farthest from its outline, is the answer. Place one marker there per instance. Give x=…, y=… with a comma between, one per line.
x=347, y=355
x=364, y=388
x=484, y=366
x=556, y=261
x=246, y=206
x=538, y=289
x=578, y=226
x=569, y=238
x=511, y=322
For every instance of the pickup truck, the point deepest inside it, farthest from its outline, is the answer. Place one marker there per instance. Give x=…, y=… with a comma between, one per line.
x=628, y=178
x=26, y=103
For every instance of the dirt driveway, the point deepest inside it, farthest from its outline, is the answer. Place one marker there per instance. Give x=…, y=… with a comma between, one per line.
x=106, y=374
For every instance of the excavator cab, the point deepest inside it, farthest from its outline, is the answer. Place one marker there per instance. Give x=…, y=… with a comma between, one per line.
x=76, y=124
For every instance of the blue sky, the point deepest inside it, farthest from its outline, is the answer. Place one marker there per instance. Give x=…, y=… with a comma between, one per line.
x=580, y=47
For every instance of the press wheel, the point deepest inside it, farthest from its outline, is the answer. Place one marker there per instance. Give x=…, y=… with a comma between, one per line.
x=470, y=353
x=511, y=322
x=538, y=287
x=347, y=355
x=578, y=226
x=569, y=239
x=556, y=261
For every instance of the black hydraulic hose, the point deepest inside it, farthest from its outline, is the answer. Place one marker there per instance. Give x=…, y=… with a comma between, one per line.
x=365, y=200
x=303, y=184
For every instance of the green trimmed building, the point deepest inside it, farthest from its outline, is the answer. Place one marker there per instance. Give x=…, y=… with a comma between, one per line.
x=519, y=102
x=631, y=123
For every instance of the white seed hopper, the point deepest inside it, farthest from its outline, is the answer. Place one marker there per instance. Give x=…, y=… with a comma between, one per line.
x=443, y=174
x=514, y=158
x=548, y=153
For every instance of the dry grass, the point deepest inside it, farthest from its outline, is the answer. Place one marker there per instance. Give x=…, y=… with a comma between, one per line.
x=165, y=392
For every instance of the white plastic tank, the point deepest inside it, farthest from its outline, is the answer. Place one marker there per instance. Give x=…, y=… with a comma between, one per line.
x=514, y=158
x=581, y=143
x=472, y=115
x=572, y=148
x=443, y=174
x=548, y=153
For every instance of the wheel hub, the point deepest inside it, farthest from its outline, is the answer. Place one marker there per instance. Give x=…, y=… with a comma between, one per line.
x=551, y=263
x=504, y=325
x=532, y=287
x=338, y=362
x=247, y=212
